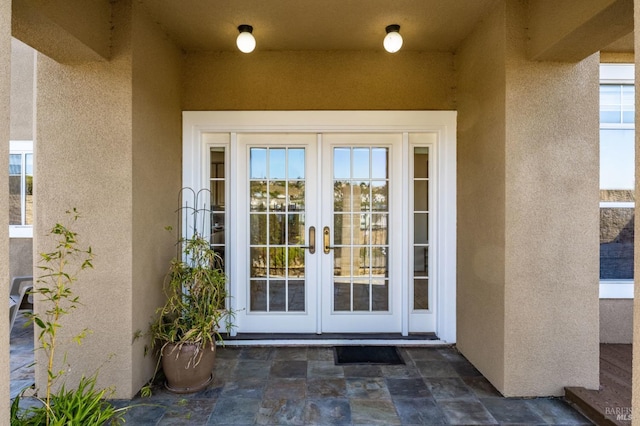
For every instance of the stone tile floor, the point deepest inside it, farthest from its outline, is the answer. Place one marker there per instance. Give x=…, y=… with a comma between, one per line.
x=303, y=386
x=21, y=356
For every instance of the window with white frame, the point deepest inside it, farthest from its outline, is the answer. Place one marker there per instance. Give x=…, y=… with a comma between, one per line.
x=617, y=179
x=20, y=189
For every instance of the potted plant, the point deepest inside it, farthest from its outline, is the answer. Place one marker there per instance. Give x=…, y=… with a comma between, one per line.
x=190, y=322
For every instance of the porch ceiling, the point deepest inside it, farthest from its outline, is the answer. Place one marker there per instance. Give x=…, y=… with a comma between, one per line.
x=284, y=25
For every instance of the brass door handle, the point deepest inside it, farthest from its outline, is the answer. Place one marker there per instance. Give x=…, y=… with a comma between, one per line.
x=326, y=238
x=312, y=240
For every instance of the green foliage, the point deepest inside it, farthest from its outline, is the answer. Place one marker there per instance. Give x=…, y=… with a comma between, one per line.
x=59, y=269
x=196, y=308
x=84, y=405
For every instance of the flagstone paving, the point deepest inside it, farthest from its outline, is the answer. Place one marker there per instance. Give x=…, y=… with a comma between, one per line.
x=303, y=386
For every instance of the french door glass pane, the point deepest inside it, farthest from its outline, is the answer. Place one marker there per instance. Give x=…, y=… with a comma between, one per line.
x=296, y=163
x=258, y=163
x=258, y=196
x=360, y=213
x=277, y=161
x=277, y=229
x=341, y=192
x=296, y=195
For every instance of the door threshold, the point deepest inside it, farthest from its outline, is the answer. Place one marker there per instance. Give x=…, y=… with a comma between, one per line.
x=333, y=339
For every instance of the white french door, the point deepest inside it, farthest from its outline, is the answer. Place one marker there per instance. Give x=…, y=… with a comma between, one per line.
x=278, y=190
x=361, y=262
x=319, y=245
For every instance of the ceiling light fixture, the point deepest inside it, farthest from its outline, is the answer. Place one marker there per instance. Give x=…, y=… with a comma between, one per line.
x=393, y=39
x=245, y=41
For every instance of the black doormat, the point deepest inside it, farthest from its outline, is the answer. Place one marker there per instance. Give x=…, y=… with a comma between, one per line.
x=385, y=355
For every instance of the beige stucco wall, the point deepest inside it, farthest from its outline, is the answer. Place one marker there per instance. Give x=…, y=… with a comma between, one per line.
x=5, y=84
x=157, y=165
x=20, y=256
x=318, y=81
x=551, y=21
x=528, y=294
x=71, y=31
x=109, y=144
x=573, y=30
x=481, y=198
x=617, y=57
x=22, y=81
x=552, y=220
x=616, y=321
x=83, y=160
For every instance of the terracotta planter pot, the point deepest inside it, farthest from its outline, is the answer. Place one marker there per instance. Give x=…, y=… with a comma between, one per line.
x=184, y=372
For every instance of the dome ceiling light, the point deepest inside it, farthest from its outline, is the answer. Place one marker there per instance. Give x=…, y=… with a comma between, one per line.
x=245, y=41
x=393, y=40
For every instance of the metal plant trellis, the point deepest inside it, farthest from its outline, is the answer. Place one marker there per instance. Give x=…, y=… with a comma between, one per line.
x=194, y=215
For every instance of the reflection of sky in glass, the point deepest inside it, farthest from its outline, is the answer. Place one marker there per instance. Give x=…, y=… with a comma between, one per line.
x=341, y=163
x=279, y=166
x=379, y=163
x=296, y=163
x=361, y=163
x=277, y=161
x=28, y=158
x=15, y=164
x=617, y=159
x=258, y=163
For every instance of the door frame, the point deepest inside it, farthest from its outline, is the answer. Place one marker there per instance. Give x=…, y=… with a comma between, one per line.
x=443, y=123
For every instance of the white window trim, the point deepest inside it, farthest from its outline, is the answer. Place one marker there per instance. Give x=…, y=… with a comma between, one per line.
x=617, y=204
x=617, y=74
x=616, y=289
x=20, y=147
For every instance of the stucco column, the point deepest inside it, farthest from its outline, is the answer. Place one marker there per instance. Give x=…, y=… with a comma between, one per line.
x=635, y=402
x=108, y=144
x=527, y=212
x=5, y=85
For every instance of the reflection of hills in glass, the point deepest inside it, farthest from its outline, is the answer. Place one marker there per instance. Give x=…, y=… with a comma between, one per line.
x=277, y=196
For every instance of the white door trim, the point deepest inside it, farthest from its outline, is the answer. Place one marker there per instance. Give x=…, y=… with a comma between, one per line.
x=195, y=123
